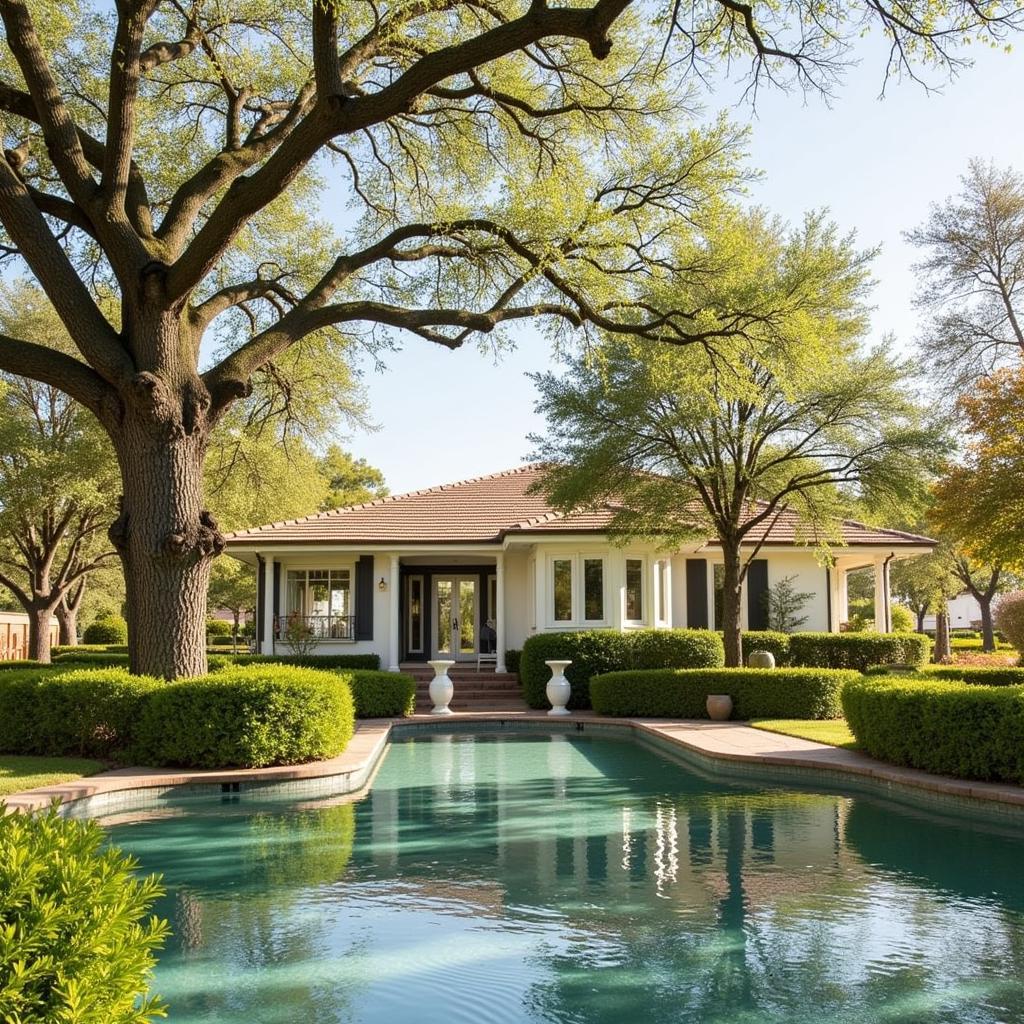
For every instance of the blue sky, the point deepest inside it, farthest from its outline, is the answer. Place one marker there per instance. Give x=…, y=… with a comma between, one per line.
x=875, y=163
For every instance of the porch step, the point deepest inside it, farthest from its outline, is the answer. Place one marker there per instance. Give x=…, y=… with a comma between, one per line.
x=483, y=690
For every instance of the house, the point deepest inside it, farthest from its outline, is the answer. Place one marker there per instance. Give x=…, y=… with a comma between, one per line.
x=482, y=564
x=964, y=612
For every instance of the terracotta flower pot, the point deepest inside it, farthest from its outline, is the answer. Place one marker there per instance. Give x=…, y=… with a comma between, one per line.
x=719, y=707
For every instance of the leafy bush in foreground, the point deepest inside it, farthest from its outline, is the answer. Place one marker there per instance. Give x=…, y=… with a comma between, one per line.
x=951, y=728
x=1010, y=618
x=596, y=651
x=77, y=945
x=756, y=693
x=973, y=675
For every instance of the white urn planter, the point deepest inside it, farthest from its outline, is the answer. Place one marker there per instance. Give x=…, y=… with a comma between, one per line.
x=441, y=688
x=558, y=689
x=719, y=707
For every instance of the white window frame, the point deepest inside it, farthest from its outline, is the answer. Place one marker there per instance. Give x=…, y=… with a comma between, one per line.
x=286, y=608
x=644, y=569
x=662, y=591
x=576, y=558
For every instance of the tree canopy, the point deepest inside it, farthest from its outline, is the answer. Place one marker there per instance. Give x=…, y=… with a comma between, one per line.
x=797, y=417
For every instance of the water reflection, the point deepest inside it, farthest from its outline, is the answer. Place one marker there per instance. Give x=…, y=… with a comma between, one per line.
x=535, y=878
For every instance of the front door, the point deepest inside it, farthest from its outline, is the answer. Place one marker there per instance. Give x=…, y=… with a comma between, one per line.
x=455, y=617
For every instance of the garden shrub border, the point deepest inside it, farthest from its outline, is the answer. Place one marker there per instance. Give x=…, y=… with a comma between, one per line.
x=940, y=726
x=810, y=693
x=858, y=651
x=379, y=694
x=597, y=651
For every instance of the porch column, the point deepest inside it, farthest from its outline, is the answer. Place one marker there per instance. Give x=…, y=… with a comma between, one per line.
x=842, y=598
x=394, y=645
x=499, y=611
x=540, y=610
x=617, y=572
x=881, y=595
x=267, y=611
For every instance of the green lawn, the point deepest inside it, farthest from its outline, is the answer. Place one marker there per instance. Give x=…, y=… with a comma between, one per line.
x=18, y=773
x=834, y=732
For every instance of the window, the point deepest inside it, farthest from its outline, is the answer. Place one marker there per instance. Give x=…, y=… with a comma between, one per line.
x=561, y=573
x=593, y=589
x=323, y=597
x=634, y=590
x=414, y=598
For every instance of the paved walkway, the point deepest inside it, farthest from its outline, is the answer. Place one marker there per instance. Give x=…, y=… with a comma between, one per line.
x=353, y=770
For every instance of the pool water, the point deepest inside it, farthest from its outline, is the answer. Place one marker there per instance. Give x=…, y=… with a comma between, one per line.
x=539, y=877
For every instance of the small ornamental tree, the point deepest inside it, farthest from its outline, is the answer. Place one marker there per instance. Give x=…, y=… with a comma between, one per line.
x=1010, y=618
x=164, y=164
x=785, y=604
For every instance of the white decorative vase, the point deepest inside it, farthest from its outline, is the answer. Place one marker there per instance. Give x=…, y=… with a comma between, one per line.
x=441, y=688
x=558, y=689
x=761, y=659
x=719, y=707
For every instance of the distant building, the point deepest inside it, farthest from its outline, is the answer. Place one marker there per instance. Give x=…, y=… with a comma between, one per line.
x=14, y=635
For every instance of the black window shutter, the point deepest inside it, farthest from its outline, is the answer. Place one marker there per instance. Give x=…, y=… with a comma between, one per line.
x=261, y=601
x=697, y=593
x=757, y=594
x=364, y=597
x=277, y=599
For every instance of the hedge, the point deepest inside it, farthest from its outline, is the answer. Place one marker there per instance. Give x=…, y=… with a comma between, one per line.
x=246, y=717
x=381, y=694
x=756, y=693
x=858, y=650
x=111, y=629
x=322, y=661
x=88, y=649
x=973, y=675
x=951, y=728
x=597, y=651
x=767, y=640
x=512, y=659
x=79, y=933
x=85, y=713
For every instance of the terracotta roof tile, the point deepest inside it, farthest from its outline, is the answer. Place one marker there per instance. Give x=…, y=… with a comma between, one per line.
x=484, y=510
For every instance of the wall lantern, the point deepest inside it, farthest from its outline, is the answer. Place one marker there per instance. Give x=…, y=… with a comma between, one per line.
x=382, y=586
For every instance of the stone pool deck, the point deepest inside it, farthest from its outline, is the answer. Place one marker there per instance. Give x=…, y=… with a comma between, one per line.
x=352, y=771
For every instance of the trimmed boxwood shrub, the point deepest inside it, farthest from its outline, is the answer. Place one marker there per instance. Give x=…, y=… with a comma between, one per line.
x=951, y=728
x=381, y=694
x=767, y=640
x=858, y=650
x=512, y=661
x=322, y=661
x=756, y=693
x=111, y=629
x=246, y=717
x=84, y=713
x=597, y=651
x=88, y=649
x=79, y=933
x=97, y=658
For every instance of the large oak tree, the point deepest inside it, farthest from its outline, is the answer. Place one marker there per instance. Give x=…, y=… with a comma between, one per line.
x=503, y=160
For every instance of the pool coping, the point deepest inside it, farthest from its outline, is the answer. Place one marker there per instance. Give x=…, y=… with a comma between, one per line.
x=351, y=773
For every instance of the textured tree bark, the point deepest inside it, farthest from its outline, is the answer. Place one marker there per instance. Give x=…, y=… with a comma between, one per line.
x=731, y=629
x=67, y=614
x=921, y=611
x=165, y=538
x=943, y=653
x=39, y=632
x=988, y=633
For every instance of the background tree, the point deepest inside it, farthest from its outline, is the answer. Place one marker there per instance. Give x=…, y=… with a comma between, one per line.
x=170, y=157
x=351, y=481
x=916, y=582
x=980, y=500
x=785, y=603
x=794, y=418
x=973, y=277
x=58, y=479
x=233, y=586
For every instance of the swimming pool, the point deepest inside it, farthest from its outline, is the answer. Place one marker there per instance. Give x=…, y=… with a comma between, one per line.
x=578, y=879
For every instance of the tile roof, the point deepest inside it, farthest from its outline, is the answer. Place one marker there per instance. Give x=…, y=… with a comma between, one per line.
x=484, y=510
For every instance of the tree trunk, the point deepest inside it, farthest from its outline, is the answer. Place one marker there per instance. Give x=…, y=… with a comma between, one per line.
x=39, y=633
x=234, y=633
x=943, y=653
x=988, y=634
x=165, y=538
x=67, y=613
x=731, y=630
x=921, y=611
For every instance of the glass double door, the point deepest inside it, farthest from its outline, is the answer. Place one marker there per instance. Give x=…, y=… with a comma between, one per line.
x=455, y=618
